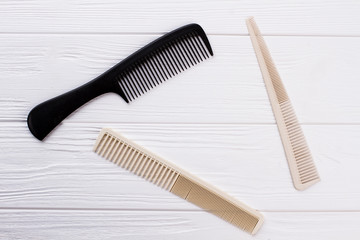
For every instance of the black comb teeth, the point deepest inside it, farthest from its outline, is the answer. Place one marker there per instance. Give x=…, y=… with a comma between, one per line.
x=146, y=68
x=161, y=64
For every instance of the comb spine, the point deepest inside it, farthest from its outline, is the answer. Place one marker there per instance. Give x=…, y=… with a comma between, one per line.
x=274, y=100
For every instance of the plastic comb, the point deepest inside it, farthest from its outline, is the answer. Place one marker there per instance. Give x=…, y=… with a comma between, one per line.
x=166, y=175
x=302, y=167
x=148, y=67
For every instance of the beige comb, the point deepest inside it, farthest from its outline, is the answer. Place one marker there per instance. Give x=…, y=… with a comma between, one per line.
x=138, y=160
x=301, y=164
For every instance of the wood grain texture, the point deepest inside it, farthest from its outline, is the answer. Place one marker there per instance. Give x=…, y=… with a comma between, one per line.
x=321, y=79
x=246, y=161
x=89, y=225
x=214, y=120
x=220, y=17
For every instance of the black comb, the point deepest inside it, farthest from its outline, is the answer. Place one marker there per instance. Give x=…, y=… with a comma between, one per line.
x=146, y=68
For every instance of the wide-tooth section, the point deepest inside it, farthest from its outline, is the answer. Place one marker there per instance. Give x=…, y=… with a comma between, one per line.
x=162, y=64
x=137, y=161
x=304, y=162
x=214, y=203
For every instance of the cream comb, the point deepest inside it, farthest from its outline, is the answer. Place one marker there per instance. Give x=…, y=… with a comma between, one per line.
x=301, y=164
x=166, y=175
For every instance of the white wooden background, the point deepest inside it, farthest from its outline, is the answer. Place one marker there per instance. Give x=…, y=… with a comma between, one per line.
x=214, y=120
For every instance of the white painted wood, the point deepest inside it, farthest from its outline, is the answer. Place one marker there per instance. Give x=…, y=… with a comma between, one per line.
x=89, y=225
x=320, y=74
x=246, y=161
x=214, y=120
x=310, y=17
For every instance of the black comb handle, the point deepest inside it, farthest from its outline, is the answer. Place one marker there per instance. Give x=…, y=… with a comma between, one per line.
x=46, y=116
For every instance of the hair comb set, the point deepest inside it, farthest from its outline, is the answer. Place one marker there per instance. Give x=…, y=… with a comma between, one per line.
x=150, y=66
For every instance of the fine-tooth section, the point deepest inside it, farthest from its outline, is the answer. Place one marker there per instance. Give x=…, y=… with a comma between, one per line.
x=163, y=63
x=214, y=203
x=301, y=164
x=303, y=159
x=166, y=175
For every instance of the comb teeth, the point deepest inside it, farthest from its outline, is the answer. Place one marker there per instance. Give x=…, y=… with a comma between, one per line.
x=163, y=63
x=305, y=165
x=301, y=164
x=134, y=158
x=216, y=204
x=136, y=161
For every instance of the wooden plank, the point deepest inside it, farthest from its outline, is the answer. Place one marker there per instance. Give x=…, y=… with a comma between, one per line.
x=247, y=161
x=321, y=79
x=54, y=224
x=275, y=17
